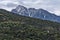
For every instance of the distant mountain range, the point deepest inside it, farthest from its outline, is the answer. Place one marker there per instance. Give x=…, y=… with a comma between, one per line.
x=36, y=13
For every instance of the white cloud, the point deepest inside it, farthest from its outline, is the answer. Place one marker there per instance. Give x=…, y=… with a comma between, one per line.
x=58, y=12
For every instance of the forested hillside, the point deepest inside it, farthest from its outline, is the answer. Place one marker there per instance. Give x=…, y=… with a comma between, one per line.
x=17, y=27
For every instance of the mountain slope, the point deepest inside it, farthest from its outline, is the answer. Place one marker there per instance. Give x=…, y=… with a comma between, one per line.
x=36, y=13
x=17, y=27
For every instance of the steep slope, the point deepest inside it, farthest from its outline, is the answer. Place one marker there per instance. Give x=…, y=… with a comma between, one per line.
x=36, y=13
x=17, y=27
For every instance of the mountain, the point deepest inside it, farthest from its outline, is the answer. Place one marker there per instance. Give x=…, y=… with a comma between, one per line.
x=18, y=27
x=36, y=13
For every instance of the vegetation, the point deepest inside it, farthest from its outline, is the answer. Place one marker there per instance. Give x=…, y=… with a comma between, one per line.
x=17, y=27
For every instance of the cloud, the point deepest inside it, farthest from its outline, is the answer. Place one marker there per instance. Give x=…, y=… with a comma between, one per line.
x=11, y=5
x=50, y=5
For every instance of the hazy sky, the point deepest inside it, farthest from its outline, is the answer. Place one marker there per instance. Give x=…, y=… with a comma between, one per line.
x=50, y=5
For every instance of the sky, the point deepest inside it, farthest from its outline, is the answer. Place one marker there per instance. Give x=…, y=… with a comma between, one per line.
x=52, y=6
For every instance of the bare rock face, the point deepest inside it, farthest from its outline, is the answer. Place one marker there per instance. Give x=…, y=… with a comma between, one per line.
x=36, y=13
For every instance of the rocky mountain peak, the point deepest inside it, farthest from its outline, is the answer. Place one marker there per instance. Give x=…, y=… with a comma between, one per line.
x=35, y=13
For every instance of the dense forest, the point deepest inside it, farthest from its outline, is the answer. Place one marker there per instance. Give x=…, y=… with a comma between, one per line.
x=17, y=27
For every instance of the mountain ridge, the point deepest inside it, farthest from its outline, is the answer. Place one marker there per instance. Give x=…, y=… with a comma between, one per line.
x=17, y=27
x=36, y=13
